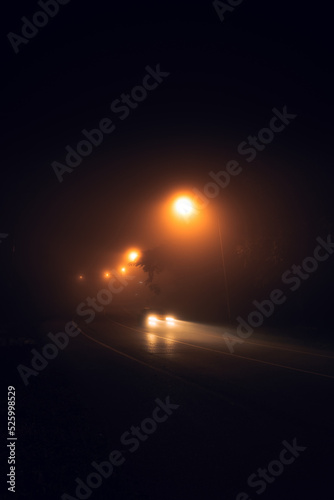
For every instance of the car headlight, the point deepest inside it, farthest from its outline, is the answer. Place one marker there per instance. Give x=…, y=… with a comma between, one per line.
x=170, y=320
x=152, y=320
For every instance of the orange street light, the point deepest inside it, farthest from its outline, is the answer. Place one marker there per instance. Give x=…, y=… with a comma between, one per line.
x=133, y=255
x=123, y=269
x=184, y=206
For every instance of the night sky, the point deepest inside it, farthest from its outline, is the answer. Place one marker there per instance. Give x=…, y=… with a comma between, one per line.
x=224, y=79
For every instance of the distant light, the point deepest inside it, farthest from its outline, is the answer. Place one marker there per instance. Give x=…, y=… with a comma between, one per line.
x=170, y=320
x=107, y=274
x=123, y=269
x=133, y=256
x=152, y=320
x=184, y=206
x=80, y=277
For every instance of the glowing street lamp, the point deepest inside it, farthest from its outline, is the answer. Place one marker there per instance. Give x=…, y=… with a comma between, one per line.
x=123, y=270
x=184, y=206
x=133, y=255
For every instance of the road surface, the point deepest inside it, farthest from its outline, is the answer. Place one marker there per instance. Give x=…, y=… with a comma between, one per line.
x=253, y=423
x=235, y=409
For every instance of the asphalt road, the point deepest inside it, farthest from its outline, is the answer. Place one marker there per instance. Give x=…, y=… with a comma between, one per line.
x=235, y=409
x=209, y=420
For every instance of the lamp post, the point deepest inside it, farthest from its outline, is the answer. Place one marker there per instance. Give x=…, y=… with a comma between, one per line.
x=184, y=207
x=224, y=269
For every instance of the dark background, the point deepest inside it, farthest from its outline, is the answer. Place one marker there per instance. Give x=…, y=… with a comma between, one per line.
x=225, y=78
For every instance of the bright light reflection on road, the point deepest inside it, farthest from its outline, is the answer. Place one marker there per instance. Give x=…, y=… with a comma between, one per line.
x=157, y=345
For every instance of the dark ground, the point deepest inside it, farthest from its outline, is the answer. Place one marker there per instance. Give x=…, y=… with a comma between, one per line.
x=232, y=419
